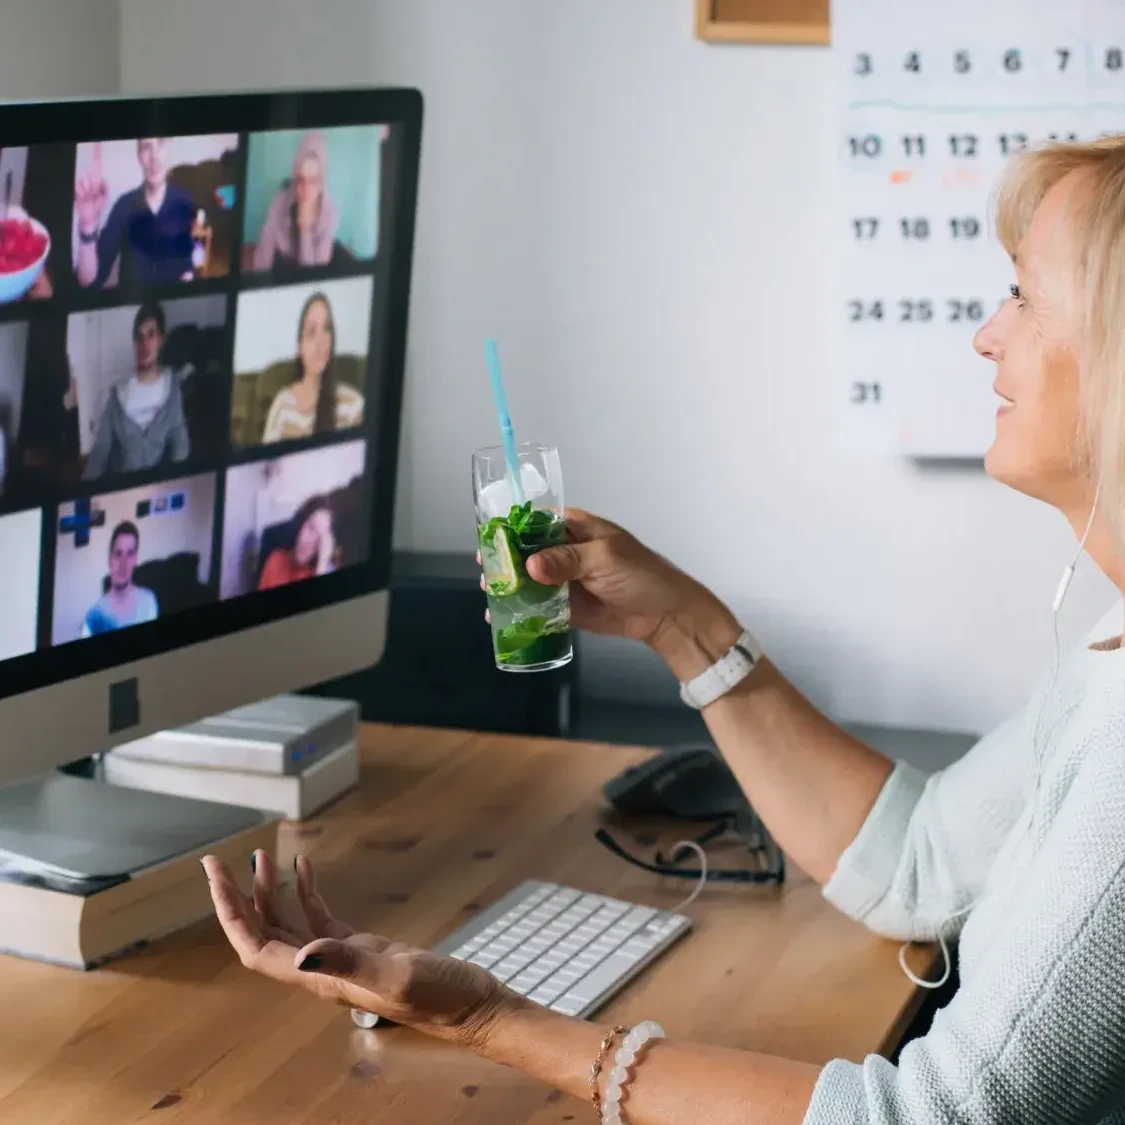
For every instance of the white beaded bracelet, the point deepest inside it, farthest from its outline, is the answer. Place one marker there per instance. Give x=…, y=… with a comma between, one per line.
x=631, y=1046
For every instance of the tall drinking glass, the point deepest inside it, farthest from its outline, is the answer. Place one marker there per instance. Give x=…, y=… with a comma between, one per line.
x=530, y=622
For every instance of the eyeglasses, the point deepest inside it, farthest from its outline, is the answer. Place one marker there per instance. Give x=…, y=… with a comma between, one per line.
x=768, y=865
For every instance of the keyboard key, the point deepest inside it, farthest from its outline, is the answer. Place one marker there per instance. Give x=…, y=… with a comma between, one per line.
x=599, y=979
x=586, y=961
x=568, y=1005
x=638, y=947
x=545, y=994
x=484, y=960
x=566, y=975
x=639, y=915
x=537, y=973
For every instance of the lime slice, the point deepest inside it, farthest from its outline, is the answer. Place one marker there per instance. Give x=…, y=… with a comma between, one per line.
x=502, y=571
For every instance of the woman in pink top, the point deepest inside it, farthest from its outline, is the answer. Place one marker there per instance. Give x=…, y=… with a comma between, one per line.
x=300, y=226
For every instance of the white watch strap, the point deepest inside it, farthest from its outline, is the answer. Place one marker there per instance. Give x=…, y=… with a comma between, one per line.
x=724, y=674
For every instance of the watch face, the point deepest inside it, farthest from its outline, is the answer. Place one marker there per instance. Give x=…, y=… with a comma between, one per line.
x=366, y=1020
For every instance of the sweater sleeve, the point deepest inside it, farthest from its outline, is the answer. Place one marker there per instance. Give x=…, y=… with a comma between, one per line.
x=928, y=843
x=1036, y=1032
x=266, y=246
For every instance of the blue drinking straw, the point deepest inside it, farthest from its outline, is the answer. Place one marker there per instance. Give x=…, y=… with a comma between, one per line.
x=506, y=434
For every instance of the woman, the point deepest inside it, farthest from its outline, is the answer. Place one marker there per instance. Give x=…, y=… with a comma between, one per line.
x=315, y=402
x=313, y=551
x=300, y=225
x=1018, y=848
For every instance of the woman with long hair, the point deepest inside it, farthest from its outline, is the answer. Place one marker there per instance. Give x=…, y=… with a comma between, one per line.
x=312, y=549
x=316, y=402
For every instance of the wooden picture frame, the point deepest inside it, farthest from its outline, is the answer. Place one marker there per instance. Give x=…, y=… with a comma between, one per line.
x=763, y=21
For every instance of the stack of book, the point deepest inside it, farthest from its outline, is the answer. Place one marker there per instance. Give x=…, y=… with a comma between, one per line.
x=46, y=915
x=287, y=757
x=290, y=756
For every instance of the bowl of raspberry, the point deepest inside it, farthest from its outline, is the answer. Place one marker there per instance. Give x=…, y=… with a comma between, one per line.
x=24, y=246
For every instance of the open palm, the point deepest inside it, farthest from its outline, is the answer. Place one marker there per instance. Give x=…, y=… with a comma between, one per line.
x=319, y=953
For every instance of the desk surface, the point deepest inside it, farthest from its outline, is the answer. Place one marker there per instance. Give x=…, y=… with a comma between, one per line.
x=442, y=824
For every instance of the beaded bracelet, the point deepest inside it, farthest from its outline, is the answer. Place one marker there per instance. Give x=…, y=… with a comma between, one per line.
x=619, y=1076
x=599, y=1062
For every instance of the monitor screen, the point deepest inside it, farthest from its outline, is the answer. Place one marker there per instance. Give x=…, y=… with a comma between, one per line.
x=202, y=325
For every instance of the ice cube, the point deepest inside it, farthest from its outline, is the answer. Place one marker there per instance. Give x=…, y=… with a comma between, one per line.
x=496, y=498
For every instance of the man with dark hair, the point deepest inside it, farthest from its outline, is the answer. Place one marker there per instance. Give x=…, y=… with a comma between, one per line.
x=124, y=603
x=143, y=424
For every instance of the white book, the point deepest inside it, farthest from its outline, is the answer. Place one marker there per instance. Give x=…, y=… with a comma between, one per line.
x=292, y=796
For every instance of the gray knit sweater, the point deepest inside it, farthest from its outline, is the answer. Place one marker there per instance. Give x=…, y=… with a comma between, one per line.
x=1036, y=1031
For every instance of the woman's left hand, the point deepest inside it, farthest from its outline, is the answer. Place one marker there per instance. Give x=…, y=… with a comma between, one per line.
x=441, y=996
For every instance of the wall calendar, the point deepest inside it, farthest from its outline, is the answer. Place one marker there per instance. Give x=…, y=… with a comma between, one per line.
x=935, y=99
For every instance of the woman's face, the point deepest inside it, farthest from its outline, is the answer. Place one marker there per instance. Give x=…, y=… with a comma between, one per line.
x=1031, y=341
x=315, y=345
x=310, y=181
x=313, y=530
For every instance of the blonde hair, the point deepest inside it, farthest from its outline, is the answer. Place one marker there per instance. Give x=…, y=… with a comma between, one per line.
x=1095, y=244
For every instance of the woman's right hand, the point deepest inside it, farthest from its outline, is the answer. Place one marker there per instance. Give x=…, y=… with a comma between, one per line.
x=312, y=949
x=620, y=587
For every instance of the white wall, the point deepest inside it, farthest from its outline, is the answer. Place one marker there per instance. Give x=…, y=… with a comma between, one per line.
x=641, y=219
x=59, y=48
x=206, y=45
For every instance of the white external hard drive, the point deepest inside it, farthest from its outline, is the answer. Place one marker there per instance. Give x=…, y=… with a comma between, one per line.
x=283, y=735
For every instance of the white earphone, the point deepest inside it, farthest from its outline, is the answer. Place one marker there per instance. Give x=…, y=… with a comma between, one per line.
x=1056, y=605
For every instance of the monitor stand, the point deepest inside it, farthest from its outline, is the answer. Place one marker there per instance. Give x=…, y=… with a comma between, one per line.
x=85, y=830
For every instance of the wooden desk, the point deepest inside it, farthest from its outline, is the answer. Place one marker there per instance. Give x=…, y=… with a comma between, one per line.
x=442, y=825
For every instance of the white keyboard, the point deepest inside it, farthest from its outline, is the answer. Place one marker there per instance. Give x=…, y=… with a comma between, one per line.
x=564, y=949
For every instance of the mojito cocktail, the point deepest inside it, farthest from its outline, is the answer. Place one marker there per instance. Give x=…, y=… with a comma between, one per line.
x=530, y=622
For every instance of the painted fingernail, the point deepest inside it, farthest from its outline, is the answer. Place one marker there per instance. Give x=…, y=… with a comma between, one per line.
x=311, y=963
x=254, y=862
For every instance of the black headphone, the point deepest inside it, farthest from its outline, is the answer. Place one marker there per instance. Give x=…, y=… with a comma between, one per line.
x=662, y=865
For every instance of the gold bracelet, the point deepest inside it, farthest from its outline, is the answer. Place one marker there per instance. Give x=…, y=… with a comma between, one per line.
x=599, y=1062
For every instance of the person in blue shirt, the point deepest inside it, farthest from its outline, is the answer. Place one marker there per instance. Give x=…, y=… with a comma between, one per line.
x=124, y=603
x=149, y=229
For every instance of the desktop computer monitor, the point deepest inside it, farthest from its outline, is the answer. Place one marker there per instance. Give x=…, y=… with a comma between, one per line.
x=203, y=308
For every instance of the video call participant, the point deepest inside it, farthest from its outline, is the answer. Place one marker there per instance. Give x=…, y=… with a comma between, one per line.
x=148, y=230
x=124, y=603
x=315, y=402
x=313, y=551
x=300, y=225
x=143, y=424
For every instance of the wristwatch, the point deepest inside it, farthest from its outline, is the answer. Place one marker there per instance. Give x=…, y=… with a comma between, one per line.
x=727, y=672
